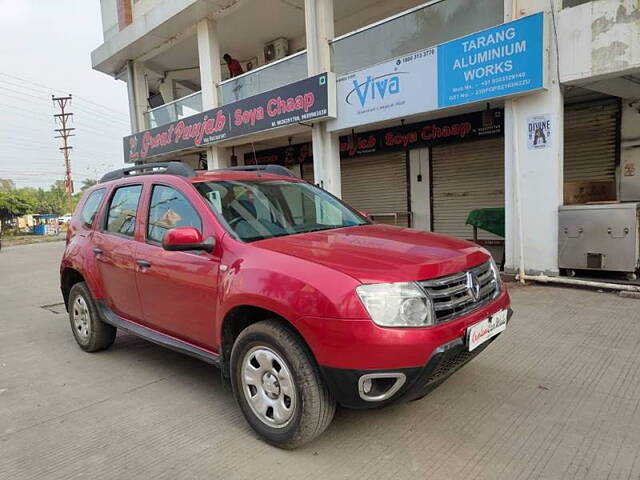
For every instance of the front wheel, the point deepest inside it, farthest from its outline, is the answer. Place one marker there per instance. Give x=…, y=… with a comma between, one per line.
x=278, y=386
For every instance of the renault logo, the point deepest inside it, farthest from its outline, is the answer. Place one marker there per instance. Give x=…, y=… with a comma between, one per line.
x=473, y=286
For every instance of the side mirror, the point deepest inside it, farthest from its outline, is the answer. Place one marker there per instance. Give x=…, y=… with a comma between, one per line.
x=184, y=239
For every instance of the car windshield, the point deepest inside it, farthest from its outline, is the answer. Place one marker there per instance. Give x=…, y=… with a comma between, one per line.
x=259, y=209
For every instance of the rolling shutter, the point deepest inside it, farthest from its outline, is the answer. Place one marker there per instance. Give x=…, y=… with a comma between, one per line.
x=375, y=184
x=590, y=134
x=466, y=176
x=307, y=172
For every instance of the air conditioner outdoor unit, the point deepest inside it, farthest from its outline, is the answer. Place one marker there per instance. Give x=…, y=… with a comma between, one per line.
x=276, y=49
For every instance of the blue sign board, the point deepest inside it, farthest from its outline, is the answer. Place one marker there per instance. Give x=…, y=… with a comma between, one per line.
x=500, y=61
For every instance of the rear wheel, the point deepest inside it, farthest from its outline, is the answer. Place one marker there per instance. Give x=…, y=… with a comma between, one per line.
x=278, y=385
x=91, y=333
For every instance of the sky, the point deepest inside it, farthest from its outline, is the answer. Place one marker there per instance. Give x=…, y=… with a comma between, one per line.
x=45, y=48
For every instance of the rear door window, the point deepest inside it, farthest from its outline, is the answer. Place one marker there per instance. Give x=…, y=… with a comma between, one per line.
x=121, y=217
x=169, y=209
x=91, y=206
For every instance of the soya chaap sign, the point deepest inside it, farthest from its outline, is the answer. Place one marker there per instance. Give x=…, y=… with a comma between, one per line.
x=306, y=100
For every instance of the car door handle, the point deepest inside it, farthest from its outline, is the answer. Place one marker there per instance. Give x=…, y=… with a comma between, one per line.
x=143, y=264
x=97, y=251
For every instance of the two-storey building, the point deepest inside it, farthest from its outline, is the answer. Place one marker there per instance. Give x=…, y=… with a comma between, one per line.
x=415, y=112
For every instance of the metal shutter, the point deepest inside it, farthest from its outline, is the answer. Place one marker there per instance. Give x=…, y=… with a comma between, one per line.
x=466, y=176
x=376, y=185
x=590, y=134
x=307, y=172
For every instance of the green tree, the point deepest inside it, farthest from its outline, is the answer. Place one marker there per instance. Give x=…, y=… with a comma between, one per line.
x=88, y=183
x=13, y=204
x=6, y=185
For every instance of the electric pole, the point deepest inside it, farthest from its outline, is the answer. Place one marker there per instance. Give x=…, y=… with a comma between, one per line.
x=64, y=133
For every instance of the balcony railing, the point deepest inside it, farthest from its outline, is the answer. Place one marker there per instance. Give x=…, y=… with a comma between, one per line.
x=273, y=75
x=427, y=25
x=173, y=111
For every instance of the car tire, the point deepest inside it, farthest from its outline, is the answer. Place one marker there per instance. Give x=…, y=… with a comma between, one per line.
x=278, y=386
x=91, y=333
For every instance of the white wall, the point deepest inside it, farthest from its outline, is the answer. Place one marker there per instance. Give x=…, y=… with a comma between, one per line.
x=109, y=14
x=140, y=7
x=598, y=39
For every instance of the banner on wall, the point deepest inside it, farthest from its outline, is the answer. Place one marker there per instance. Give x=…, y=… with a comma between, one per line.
x=303, y=101
x=460, y=128
x=498, y=62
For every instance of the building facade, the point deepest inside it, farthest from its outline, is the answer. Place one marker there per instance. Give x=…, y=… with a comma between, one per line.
x=417, y=113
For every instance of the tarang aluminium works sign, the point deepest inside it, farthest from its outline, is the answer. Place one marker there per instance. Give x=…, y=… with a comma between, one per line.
x=302, y=101
x=501, y=61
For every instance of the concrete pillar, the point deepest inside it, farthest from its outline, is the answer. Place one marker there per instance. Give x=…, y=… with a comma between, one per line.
x=533, y=178
x=210, y=76
x=168, y=90
x=326, y=146
x=140, y=94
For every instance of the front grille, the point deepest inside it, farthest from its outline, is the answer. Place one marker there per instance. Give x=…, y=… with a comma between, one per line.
x=452, y=297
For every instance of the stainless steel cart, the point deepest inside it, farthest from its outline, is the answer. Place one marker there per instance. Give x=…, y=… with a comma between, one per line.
x=599, y=237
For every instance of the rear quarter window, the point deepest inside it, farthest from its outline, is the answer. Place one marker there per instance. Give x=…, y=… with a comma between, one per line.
x=90, y=208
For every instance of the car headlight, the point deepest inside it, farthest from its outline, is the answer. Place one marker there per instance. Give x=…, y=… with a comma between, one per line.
x=397, y=304
x=496, y=271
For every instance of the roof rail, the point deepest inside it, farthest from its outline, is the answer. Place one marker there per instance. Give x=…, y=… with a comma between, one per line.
x=167, y=168
x=273, y=169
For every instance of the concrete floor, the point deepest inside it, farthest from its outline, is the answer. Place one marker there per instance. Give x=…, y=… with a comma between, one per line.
x=556, y=396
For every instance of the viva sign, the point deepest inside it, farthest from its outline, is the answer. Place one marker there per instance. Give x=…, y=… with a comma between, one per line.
x=375, y=88
x=502, y=61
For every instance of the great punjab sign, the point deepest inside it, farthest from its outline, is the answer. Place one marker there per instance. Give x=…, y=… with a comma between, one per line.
x=498, y=62
x=306, y=100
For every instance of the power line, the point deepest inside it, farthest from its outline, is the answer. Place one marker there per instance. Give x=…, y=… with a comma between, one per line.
x=85, y=109
x=119, y=112
x=65, y=133
x=41, y=117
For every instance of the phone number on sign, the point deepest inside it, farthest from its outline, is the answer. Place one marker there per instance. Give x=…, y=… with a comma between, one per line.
x=417, y=56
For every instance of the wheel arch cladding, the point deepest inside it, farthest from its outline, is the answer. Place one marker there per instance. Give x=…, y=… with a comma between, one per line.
x=69, y=278
x=242, y=316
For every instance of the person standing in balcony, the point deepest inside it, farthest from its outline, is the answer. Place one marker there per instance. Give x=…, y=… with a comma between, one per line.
x=234, y=66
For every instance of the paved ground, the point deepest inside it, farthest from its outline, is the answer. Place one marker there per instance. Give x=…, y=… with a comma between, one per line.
x=556, y=396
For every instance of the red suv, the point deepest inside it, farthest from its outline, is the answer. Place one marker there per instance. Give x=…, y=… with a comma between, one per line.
x=302, y=301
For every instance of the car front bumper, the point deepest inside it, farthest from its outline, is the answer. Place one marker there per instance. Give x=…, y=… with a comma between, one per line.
x=345, y=384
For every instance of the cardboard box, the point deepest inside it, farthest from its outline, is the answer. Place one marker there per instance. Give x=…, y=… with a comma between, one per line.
x=587, y=192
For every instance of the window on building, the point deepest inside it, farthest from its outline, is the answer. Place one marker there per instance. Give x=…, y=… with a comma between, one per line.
x=573, y=3
x=91, y=207
x=169, y=209
x=123, y=210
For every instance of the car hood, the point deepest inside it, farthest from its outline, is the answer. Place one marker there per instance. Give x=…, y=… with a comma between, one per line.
x=381, y=253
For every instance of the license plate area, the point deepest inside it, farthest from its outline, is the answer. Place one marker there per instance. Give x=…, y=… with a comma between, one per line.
x=486, y=329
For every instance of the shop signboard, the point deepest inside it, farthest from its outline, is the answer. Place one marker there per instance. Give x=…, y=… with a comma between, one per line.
x=303, y=101
x=501, y=61
x=460, y=128
x=397, y=88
